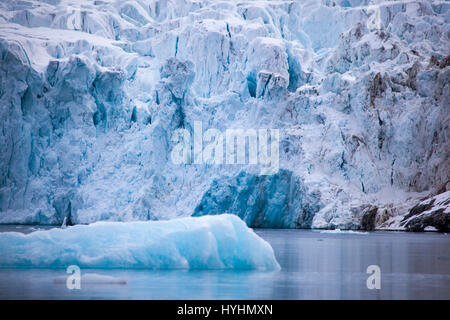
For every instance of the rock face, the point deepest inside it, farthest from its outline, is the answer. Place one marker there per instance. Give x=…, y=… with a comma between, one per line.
x=433, y=212
x=368, y=220
x=92, y=92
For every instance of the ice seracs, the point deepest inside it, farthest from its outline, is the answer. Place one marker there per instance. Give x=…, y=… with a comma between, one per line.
x=92, y=91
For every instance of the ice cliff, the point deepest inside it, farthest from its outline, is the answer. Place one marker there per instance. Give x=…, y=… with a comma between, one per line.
x=91, y=93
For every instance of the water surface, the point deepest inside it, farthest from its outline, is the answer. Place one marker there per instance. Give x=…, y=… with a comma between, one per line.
x=314, y=265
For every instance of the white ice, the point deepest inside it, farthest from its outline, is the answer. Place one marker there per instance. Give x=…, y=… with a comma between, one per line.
x=91, y=92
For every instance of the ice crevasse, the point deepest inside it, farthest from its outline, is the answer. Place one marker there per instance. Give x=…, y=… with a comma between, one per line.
x=210, y=242
x=92, y=91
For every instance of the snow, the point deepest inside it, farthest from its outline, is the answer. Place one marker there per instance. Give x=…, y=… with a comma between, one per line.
x=92, y=91
x=211, y=242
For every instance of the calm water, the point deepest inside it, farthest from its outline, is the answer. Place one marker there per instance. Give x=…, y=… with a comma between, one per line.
x=314, y=265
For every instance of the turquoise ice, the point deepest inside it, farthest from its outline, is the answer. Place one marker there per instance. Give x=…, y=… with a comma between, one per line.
x=210, y=242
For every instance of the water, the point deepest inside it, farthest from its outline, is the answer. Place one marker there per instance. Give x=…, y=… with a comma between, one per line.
x=314, y=265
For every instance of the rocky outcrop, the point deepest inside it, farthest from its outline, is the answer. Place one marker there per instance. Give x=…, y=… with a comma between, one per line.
x=368, y=219
x=433, y=212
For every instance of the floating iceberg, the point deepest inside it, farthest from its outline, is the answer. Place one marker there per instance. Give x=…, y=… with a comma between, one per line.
x=210, y=242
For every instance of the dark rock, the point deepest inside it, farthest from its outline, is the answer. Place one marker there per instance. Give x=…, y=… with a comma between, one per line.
x=368, y=218
x=419, y=208
x=412, y=72
x=377, y=88
x=445, y=62
x=438, y=219
x=432, y=212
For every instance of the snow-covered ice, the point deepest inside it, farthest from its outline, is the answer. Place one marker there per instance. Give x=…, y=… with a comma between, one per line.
x=92, y=91
x=210, y=242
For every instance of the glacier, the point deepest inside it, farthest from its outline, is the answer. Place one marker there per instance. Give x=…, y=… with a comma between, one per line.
x=210, y=242
x=91, y=92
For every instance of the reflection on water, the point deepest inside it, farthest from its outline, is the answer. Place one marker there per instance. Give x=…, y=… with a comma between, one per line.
x=314, y=266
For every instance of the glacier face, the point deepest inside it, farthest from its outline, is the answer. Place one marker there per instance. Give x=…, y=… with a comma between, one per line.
x=208, y=242
x=92, y=91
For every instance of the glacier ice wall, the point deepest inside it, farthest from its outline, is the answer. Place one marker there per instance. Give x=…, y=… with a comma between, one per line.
x=91, y=92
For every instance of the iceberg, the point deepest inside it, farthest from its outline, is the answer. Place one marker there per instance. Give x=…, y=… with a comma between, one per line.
x=210, y=242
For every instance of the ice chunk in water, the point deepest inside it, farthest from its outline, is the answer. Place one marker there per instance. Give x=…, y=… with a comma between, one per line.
x=209, y=242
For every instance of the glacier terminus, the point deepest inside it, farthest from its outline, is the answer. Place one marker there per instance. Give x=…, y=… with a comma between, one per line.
x=92, y=94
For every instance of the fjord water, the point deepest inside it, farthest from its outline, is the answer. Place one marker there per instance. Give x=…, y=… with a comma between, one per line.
x=315, y=265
